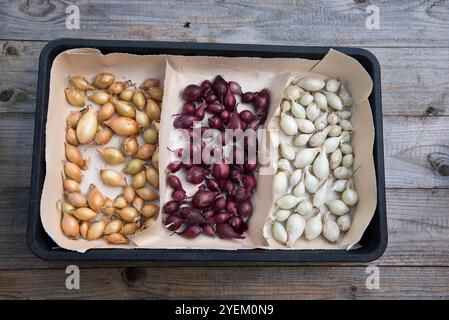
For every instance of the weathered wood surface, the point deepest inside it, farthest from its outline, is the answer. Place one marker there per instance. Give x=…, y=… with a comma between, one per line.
x=412, y=46
x=418, y=227
x=414, y=80
x=408, y=141
x=231, y=283
x=402, y=23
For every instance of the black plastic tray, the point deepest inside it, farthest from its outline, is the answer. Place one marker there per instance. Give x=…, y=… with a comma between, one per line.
x=374, y=240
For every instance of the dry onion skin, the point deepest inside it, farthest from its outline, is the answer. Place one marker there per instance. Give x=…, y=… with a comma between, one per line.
x=315, y=196
x=118, y=108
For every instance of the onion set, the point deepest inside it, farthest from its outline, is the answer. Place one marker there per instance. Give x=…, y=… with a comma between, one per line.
x=315, y=199
x=221, y=204
x=124, y=111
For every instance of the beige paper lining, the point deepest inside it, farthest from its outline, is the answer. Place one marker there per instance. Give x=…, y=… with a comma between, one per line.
x=178, y=71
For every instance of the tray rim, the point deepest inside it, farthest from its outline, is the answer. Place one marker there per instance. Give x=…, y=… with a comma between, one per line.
x=253, y=255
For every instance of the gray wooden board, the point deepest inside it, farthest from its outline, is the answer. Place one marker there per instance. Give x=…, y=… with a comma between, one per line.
x=412, y=45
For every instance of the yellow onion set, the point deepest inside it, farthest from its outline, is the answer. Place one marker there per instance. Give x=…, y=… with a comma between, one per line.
x=126, y=111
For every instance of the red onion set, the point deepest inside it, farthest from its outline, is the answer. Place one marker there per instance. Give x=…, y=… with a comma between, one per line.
x=221, y=205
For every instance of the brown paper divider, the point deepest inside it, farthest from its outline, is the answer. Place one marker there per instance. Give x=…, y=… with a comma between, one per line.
x=88, y=62
x=180, y=73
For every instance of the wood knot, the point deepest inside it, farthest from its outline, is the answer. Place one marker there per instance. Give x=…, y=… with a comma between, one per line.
x=133, y=275
x=6, y=95
x=439, y=162
x=431, y=111
x=353, y=288
x=187, y=25
x=12, y=51
x=37, y=8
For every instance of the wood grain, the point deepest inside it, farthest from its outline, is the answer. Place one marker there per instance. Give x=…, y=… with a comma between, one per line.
x=18, y=92
x=16, y=142
x=403, y=23
x=412, y=47
x=19, y=62
x=408, y=141
x=418, y=227
x=20, y=56
x=414, y=80
x=227, y=283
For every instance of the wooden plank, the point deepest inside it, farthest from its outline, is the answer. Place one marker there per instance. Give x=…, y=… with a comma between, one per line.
x=16, y=145
x=19, y=62
x=418, y=227
x=20, y=56
x=405, y=23
x=228, y=283
x=18, y=92
x=408, y=140
x=417, y=221
x=414, y=80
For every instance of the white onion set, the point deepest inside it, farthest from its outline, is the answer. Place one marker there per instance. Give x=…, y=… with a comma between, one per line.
x=126, y=111
x=313, y=185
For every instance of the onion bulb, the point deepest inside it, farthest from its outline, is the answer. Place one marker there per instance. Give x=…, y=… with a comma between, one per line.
x=331, y=231
x=75, y=97
x=344, y=222
x=288, y=202
x=95, y=198
x=279, y=232
x=87, y=126
x=84, y=214
x=99, y=97
x=80, y=83
x=320, y=165
x=337, y=207
x=113, y=226
x=295, y=227
x=112, y=178
x=96, y=230
x=280, y=183
x=70, y=226
x=116, y=238
x=313, y=227
x=112, y=155
x=123, y=126
x=104, y=80
x=74, y=155
x=311, y=84
x=349, y=196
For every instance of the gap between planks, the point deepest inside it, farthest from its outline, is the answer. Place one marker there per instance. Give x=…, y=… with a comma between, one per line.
x=312, y=282
x=405, y=23
x=414, y=81
x=44, y=42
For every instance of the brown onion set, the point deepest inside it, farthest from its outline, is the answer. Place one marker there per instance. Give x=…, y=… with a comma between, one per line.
x=221, y=205
x=126, y=111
